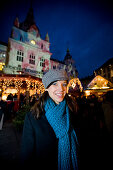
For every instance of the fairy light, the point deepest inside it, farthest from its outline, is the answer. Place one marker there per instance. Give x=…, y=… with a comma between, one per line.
x=28, y=84
x=74, y=82
x=33, y=84
x=7, y=82
x=18, y=83
x=42, y=88
x=0, y=82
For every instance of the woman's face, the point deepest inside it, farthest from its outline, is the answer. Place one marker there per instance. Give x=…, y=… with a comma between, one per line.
x=57, y=91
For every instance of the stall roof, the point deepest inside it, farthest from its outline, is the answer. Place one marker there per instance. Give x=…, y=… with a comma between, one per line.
x=18, y=76
x=99, y=82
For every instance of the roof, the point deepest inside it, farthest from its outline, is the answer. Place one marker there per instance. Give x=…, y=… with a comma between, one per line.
x=3, y=43
x=99, y=82
x=29, y=23
x=68, y=56
x=17, y=76
x=110, y=61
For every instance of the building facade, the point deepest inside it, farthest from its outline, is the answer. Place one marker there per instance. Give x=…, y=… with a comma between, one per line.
x=106, y=70
x=28, y=53
x=3, y=54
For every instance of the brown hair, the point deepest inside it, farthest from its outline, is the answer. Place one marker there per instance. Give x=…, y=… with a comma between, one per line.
x=38, y=108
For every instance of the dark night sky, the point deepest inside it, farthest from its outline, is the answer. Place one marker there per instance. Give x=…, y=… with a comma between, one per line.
x=83, y=26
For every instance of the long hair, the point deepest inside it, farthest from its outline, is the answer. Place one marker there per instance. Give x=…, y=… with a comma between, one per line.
x=38, y=108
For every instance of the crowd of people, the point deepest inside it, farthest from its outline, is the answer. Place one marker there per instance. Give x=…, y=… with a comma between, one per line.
x=9, y=108
x=95, y=119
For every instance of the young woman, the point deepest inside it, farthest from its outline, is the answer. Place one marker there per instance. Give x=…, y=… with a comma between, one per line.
x=49, y=140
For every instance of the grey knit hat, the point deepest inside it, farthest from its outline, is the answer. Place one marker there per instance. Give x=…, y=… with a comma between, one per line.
x=53, y=75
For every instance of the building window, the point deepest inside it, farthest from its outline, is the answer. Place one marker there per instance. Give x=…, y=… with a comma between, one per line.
x=21, y=38
x=32, y=59
x=42, y=62
x=19, y=67
x=41, y=46
x=20, y=55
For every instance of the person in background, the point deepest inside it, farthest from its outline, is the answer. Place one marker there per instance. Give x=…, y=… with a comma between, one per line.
x=49, y=138
x=107, y=106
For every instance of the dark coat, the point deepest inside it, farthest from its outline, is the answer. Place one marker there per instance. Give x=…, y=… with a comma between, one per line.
x=39, y=145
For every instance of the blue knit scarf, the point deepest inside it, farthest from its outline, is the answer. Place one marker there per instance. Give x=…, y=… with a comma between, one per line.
x=58, y=118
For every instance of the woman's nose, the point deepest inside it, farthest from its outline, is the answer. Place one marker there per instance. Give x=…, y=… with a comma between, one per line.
x=60, y=87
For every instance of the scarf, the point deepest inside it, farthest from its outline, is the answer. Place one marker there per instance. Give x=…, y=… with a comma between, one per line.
x=59, y=119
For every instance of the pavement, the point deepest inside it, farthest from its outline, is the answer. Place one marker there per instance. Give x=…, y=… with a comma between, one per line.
x=10, y=140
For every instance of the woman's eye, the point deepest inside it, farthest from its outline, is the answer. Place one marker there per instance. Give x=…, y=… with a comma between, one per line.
x=65, y=84
x=54, y=83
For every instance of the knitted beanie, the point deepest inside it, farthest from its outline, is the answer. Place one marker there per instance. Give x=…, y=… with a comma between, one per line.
x=53, y=75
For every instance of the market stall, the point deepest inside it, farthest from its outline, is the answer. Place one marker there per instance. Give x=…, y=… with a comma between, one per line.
x=16, y=84
x=98, y=86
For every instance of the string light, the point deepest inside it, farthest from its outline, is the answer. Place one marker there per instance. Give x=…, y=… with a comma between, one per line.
x=21, y=83
x=74, y=82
